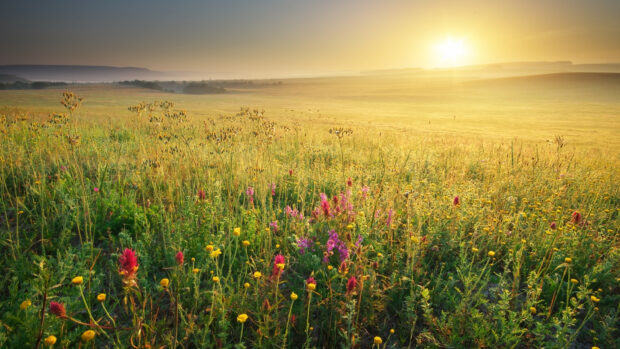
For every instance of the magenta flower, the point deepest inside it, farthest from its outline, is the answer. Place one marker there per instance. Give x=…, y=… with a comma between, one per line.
x=553, y=225
x=456, y=201
x=250, y=193
x=277, y=261
x=96, y=189
x=576, y=218
x=274, y=226
x=179, y=257
x=351, y=284
x=128, y=264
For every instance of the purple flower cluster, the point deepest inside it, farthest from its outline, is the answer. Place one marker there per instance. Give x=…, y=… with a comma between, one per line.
x=304, y=244
x=334, y=242
x=293, y=213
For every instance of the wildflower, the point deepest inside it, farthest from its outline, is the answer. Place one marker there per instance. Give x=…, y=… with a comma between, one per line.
x=202, y=195
x=377, y=340
x=88, y=335
x=128, y=264
x=574, y=281
x=246, y=243
x=594, y=299
x=250, y=193
x=241, y=318
x=164, y=283
x=491, y=253
x=380, y=255
x=568, y=260
x=25, y=304
x=415, y=239
x=215, y=253
x=50, y=340
x=553, y=225
x=456, y=201
x=294, y=296
x=237, y=231
x=474, y=250
x=576, y=218
x=349, y=182
x=246, y=285
x=278, y=265
x=388, y=222
x=311, y=283
x=303, y=244
x=274, y=226
x=209, y=248
x=58, y=309
x=533, y=310
x=179, y=257
x=96, y=190
x=77, y=280
x=101, y=297
x=257, y=274
x=195, y=270
x=329, y=267
x=216, y=279
x=273, y=189
x=351, y=284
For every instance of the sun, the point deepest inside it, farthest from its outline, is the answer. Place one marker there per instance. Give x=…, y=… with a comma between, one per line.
x=450, y=52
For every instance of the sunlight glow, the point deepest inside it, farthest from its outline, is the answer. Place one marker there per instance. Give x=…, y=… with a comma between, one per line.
x=450, y=52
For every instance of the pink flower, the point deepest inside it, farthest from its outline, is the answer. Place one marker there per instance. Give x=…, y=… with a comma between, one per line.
x=250, y=192
x=349, y=182
x=274, y=226
x=552, y=225
x=273, y=189
x=310, y=280
x=58, y=309
x=456, y=201
x=96, y=189
x=128, y=264
x=180, y=258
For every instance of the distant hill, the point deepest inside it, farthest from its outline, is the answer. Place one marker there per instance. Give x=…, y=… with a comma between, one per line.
x=556, y=79
x=9, y=78
x=80, y=73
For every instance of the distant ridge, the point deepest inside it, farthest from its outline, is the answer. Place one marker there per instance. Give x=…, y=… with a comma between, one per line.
x=80, y=73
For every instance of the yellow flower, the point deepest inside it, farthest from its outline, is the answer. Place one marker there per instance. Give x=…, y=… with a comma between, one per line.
x=415, y=239
x=237, y=231
x=391, y=331
x=329, y=267
x=50, y=340
x=209, y=248
x=246, y=285
x=88, y=335
x=164, y=283
x=246, y=243
x=216, y=279
x=523, y=241
x=280, y=266
x=77, y=280
x=568, y=260
x=380, y=255
x=242, y=318
x=533, y=310
x=594, y=299
x=277, y=245
x=294, y=296
x=491, y=253
x=101, y=297
x=195, y=270
x=311, y=286
x=595, y=347
x=257, y=274
x=25, y=304
x=350, y=226
x=574, y=281
x=215, y=253
x=377, y=340
x=474, y=250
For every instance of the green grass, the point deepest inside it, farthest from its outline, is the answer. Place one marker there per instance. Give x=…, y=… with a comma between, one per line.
x=433, y=273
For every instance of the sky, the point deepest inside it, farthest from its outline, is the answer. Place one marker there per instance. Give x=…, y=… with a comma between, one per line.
x=296, y=37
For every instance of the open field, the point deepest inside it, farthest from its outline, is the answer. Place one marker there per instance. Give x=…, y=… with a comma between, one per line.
x=444, y=209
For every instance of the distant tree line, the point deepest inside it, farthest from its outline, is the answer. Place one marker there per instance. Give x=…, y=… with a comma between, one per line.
x=142, y=83
x=35, y=85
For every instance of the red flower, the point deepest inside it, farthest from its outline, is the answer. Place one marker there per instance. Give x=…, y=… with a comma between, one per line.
x=277, y=262
x=349, y=182
x=552, y=225
x=351, y=284
x=456, y=201
x=576, y=218
x=179, y=257
x=58, y=309
x=310, y=280
x=128, y=263
x=201, y=194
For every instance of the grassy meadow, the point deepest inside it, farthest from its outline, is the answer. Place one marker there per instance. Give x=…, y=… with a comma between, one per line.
x=388, y=211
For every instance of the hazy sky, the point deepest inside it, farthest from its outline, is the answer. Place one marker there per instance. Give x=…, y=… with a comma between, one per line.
x=282, y=37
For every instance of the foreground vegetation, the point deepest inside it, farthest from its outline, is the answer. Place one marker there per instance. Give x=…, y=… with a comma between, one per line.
x=235, y=230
